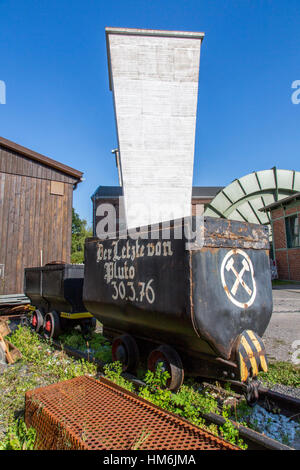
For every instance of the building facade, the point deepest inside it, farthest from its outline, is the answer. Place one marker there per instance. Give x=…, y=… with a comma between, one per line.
x=201, y=196
x=36, y=195
x=285, y=220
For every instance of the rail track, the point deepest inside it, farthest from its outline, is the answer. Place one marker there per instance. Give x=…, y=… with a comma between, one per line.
x=289, y=406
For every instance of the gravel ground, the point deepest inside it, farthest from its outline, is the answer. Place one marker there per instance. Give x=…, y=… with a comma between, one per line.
x=286, y=390
x=284, y=328
x=276, y=426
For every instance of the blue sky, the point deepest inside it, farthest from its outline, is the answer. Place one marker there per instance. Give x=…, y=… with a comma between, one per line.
x=53, y=61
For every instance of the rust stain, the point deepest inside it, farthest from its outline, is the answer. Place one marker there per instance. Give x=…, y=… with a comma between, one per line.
x=85, y=413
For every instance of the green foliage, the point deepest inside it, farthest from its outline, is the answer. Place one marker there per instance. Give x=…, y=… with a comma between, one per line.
x=113, y=372
x=156, y=380
x=99, y=346
x=187, y=402
x=155, y=390
x=56, y=365
x=80, y=232
x=204, y=402
x=40, y=365
x=241, y=411
x=230, y=432
x=18, y=437
x=281, y=373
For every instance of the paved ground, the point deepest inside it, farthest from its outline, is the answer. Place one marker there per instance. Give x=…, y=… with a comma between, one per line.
x=284, y=328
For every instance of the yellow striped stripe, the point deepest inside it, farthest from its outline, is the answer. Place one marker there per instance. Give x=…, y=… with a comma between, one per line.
x=250, y=355
x=254, y=340
x=256, y=343
x=263, y=363
x=243, y=369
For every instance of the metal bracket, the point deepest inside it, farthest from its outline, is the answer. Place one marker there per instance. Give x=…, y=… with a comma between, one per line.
x=252, y=393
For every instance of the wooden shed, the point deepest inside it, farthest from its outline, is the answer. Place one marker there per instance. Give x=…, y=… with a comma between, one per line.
x=36, y=195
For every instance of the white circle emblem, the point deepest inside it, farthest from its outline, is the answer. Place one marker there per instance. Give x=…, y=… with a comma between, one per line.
x=228, y=265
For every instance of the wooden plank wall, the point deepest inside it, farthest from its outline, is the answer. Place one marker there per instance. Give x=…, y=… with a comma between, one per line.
x=31, y=218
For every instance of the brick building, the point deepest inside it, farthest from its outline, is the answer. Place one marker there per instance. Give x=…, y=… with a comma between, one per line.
x=285, y=220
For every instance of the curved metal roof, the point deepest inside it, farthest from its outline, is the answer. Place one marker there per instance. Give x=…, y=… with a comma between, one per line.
x=242, y=199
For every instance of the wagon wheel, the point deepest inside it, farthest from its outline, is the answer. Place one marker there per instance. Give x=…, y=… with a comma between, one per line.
x=125, y=350
x=37, y=320
x=52, y=326
x=171, y=362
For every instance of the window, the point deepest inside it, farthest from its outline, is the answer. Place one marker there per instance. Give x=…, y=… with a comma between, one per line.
x=292, y=231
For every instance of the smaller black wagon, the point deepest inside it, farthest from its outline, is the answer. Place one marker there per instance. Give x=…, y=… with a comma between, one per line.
x=55, y=291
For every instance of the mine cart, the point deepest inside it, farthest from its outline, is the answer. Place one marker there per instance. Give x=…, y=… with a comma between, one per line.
x=55, y=291
x=198, y=306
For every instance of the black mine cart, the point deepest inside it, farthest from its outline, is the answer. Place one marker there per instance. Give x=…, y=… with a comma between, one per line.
x=199, y=306
x=55, y=291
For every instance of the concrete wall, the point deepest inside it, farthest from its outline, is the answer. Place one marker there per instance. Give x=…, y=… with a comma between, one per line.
x=154, y=78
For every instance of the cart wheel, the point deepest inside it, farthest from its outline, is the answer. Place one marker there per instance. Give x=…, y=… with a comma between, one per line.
x=37, y=320
x=171, y=362
x=125, y=350
x=52, y=327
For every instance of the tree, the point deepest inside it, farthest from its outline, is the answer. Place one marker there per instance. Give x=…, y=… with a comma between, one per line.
x=80, y=232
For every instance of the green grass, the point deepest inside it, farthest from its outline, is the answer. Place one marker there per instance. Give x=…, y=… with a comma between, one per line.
x=40, y=365
x=18, y=437
x=278, y=282
x=283, y=373
x=98, y=345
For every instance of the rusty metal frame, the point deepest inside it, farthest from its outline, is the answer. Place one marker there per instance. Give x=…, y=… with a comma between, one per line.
x=85, y=413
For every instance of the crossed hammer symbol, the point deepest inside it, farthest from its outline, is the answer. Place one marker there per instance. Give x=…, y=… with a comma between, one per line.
x=239, y=276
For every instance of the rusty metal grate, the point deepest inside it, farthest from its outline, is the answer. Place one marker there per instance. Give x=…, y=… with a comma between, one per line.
x=85, y=413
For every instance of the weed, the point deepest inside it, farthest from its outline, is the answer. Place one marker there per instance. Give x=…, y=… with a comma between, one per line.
x=18, y=437
x=140, y=441
x=282, y=373
x=40, y=365
x=187, y=403
x=113, y=372
x=97, y=345
x=230, y=432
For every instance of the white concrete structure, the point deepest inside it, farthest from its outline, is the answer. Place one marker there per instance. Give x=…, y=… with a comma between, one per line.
x=154, y=79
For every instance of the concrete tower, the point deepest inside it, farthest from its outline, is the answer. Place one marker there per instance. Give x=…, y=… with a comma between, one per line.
x=154, y=79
